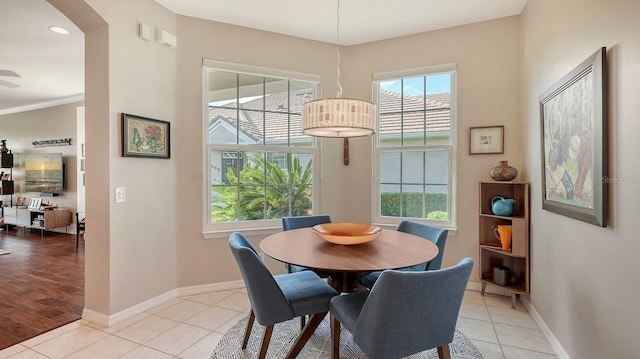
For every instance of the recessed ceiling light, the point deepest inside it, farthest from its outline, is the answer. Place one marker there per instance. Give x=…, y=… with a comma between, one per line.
x=59, y=30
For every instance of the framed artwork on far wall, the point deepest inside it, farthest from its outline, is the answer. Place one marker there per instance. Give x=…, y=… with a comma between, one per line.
x=145, y=137
x=574, y=150
x=486, y=140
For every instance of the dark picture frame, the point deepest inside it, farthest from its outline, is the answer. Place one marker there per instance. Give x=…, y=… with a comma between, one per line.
x=145, y=137
x=486, y=140
x=573, y=117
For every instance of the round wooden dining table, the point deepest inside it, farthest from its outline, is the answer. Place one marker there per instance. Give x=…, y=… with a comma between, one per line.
x=347, y=263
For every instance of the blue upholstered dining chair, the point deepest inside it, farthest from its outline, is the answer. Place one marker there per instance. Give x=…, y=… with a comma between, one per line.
x=436, y=235
x=404, y=313
x=280, y=298
x=289, y=223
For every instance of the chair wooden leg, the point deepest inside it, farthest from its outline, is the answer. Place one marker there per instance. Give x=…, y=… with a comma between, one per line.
x=247, y=331
x=302, y=321
x=266, y=338
x=335, y=338
x=306, y=333
x=443, y=352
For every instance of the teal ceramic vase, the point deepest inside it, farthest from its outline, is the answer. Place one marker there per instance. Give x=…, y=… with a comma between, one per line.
x=502, y=206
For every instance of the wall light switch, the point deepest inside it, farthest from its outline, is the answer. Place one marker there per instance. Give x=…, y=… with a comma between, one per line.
x=121, y=195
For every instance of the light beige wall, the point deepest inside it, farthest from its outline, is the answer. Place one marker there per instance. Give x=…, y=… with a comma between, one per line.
x=131, y=247
x=20, y=129
x=142, y=80
x=584, y=278
x=486, y=55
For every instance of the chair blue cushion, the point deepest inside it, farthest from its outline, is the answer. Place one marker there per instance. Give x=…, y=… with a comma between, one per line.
x=435, y=234
x=405, y=312
x=289, y=223
x=267, y=300
x=278, y=299
x=370, y=279
x=306, y=292
x=348, y=307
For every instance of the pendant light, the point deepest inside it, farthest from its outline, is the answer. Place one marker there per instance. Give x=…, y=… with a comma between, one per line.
x=338, y=117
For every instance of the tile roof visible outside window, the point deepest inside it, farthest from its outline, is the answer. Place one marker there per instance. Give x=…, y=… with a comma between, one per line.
x=437, y=111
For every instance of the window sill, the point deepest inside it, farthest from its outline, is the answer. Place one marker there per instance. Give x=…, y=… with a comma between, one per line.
x=265, y=231
x=225, y=233
x=392, y=226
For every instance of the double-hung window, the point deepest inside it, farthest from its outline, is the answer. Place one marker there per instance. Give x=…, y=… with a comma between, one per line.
x=414, y=175
x=259, y=165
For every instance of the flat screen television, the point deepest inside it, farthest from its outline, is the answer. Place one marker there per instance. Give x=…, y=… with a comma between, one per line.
x=44, y=173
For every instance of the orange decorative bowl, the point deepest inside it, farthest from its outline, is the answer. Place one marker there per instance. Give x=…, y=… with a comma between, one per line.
x=346, y=233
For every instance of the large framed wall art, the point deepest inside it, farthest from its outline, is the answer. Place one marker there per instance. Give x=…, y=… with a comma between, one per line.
x=574, y=149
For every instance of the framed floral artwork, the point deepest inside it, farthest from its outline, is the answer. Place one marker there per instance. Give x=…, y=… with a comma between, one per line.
x=145, y=137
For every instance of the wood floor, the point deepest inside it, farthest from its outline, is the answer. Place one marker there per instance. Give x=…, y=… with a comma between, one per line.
x=41, y=283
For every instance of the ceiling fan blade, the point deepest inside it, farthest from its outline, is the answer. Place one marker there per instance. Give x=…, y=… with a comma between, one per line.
x=8, y=73
x=8, y=84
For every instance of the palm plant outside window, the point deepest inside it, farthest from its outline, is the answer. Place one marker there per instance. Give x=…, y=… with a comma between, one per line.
x=260, y=165
x=415, y=146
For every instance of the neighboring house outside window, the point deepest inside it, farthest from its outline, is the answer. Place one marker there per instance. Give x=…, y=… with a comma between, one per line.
x=415, y=146
x=260, y=165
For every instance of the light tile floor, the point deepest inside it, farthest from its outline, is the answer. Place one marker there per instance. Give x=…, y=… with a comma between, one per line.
x=190, y=327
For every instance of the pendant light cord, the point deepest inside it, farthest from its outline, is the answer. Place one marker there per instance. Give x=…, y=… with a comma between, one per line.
x=339, y=93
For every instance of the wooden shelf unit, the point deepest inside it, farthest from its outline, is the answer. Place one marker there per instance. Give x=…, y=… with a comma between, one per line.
x=6, y=163
x=35, y=218
x=491, y=252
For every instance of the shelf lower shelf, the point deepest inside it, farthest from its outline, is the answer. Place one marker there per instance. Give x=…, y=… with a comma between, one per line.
x=509, y=218
x=497, y=249
x=517, y=289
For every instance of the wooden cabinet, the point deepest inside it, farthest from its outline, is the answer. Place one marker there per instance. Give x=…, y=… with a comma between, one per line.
x=516, y=259
x=17, y=216
x=55, y=218
x=42, y=219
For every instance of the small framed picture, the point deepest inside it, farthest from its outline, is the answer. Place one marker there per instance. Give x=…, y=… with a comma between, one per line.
x=35, y=203
x=486, y=140
x=145, y=137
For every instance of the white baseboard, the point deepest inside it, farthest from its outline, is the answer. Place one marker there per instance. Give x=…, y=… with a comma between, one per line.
x=213, y=287
x=555, y=344
x=110, y=320
x=131, y=312
x=95, y=317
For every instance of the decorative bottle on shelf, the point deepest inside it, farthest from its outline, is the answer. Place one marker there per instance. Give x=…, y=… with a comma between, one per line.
x=503, y=172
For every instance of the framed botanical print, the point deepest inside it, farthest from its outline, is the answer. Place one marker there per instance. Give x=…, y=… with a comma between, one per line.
x=145, y=137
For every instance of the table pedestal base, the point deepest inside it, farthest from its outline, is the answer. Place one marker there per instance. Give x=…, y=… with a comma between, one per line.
x=346, y=282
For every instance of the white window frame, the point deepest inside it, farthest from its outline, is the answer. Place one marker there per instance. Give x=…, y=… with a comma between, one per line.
x=257, y=227
x=376, y=149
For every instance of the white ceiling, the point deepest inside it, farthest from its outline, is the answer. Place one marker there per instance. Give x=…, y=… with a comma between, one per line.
x=51, y=66
x=361, y=21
